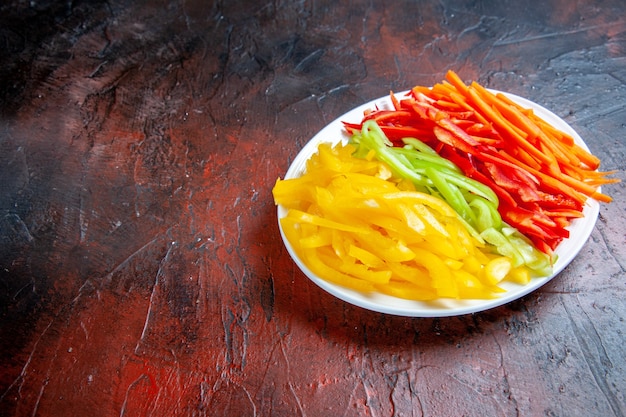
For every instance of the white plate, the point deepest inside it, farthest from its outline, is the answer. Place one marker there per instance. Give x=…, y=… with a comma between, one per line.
x=580, y=229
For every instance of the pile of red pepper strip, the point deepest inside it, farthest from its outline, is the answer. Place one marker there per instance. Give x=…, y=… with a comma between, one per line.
x=530, y=200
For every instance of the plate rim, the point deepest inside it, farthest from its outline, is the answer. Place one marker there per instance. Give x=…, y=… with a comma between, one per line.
x=567, y=250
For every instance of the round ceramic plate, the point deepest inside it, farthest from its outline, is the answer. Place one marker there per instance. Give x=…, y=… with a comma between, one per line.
x=580, y=229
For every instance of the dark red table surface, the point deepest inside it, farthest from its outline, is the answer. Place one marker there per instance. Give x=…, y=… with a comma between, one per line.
x=141, y=268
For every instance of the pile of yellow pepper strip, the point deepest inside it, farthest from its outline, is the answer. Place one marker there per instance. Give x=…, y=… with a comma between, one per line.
x=354, y=224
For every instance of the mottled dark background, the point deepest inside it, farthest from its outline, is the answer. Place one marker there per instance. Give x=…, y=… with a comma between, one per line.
x=141, y=269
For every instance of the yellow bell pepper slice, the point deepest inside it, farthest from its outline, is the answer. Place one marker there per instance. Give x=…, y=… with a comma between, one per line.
x=354, y=224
